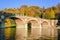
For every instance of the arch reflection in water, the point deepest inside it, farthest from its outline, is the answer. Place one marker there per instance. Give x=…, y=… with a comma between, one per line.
x=29, y=28
x=10, y=28
x=33, y=29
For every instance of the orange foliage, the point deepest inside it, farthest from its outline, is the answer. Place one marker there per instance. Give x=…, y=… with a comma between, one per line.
x=22, y=11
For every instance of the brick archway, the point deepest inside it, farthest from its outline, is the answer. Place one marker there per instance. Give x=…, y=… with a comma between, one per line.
x=20, y=29
x=45, y=28
x=35, y=29
x=44, y=23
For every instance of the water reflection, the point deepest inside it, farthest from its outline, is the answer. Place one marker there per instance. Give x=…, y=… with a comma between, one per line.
x=10, y=29
x=10, y=33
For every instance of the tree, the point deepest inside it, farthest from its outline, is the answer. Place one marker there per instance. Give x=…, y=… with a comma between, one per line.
x=37, y=13
x=58, y=6
x=26, y=12
x=31, y=12
x=47, y=16
x=52, y=14
x=7, y=23
x=23, y=9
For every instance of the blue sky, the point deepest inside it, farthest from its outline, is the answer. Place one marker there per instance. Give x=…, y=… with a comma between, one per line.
x=18, y=3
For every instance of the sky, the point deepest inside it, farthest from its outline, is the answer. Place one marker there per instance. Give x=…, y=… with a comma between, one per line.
x=19, y=3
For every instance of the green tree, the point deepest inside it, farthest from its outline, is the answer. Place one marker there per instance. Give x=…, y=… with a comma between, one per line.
x=37, y=13
x=47, y=16
x=26, y=11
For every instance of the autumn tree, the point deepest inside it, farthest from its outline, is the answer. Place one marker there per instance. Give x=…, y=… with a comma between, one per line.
x=7, y=23
x=37, y=13
x=31, y=12
x=58, y=6
x=52, y=14
x=26, y=12
x=23, y=9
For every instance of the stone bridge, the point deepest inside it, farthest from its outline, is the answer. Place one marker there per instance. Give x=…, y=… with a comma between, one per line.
x=39, y=27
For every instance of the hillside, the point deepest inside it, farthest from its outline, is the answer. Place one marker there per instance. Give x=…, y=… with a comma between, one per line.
x=35, y=11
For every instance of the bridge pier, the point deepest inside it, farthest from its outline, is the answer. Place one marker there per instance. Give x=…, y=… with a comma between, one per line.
x=35, y=31
x=21, y=30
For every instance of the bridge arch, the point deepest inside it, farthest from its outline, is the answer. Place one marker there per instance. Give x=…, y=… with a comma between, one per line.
x=33, y=29
x=18, y=28
x=32, y=19
x=45, y=28
x=10, y=28
x=44, y=23
x=14, y=18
